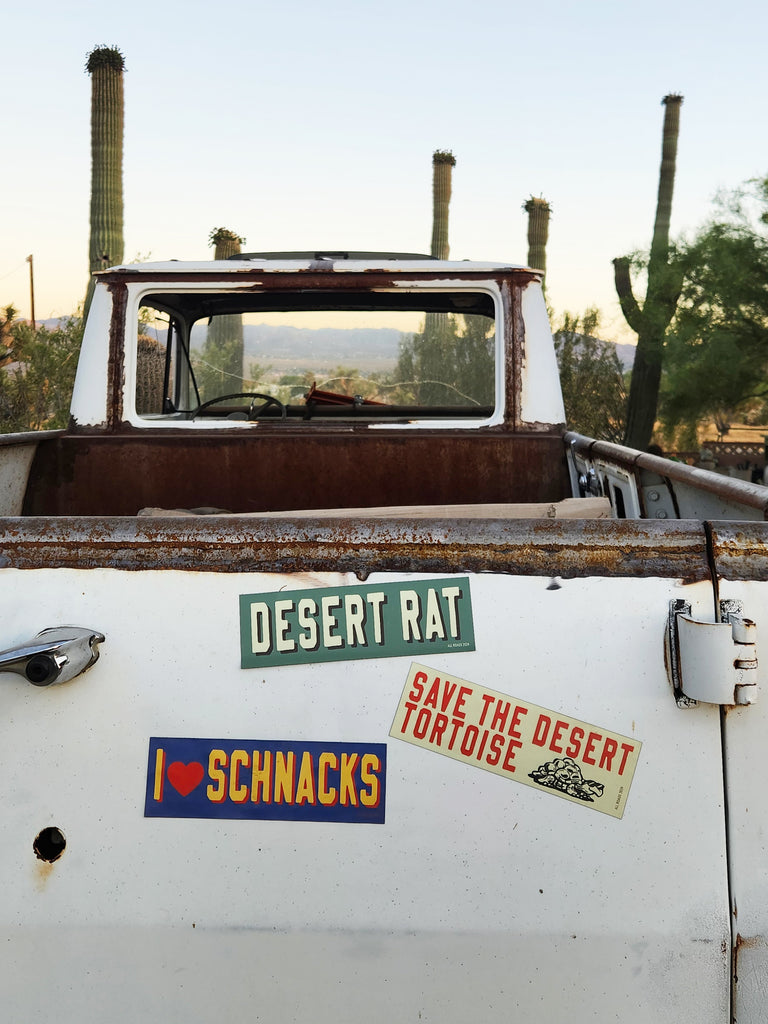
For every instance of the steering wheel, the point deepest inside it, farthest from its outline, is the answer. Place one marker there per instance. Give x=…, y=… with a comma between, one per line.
x=254, y=412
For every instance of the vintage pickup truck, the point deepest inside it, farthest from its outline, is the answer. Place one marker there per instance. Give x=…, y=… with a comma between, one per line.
x=316, y=532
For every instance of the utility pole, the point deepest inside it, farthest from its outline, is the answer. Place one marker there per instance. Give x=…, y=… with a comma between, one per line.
x=32, y=290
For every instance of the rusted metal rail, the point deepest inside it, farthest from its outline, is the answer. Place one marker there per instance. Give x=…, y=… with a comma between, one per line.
x=568, y=549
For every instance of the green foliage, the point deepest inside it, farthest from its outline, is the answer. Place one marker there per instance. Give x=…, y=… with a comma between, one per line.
x=222, y=357
x=224, y=237
x=218, y=372
x=591, y=377
x=450, y=361
x=716, y=361
x=104, y=57
x=7, y=318
x=347, y=380
x=36, y=388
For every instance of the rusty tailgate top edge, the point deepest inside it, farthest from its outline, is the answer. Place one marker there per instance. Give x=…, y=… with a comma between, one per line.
x=740, y=550
x=527, y=547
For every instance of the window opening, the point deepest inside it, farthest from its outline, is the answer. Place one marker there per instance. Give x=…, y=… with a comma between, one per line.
x=377, y=356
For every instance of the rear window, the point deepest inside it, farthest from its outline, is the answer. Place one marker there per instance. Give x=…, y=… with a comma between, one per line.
x=309, y=356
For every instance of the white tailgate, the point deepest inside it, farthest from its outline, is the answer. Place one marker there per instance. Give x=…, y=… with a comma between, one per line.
x=746, y=729
x=477, y=898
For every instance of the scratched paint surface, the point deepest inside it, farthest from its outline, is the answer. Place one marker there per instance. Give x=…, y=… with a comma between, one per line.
x=588, y=910
x=745, y=733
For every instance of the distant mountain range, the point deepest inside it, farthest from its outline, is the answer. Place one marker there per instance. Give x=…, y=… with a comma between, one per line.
x=339, y=345
x=626, y=354
x=265, y=341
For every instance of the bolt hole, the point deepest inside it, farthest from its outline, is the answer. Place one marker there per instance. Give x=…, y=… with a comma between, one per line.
x=49, y=844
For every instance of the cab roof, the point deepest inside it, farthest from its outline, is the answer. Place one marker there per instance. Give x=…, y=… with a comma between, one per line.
x=351, y=263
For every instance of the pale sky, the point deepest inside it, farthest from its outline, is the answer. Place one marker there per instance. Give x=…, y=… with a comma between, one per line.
x=304, y=125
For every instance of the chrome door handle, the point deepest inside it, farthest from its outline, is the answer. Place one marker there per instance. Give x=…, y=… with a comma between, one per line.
x=53, y=656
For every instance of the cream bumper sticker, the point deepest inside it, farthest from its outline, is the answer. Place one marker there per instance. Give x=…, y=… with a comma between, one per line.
x=583, y=763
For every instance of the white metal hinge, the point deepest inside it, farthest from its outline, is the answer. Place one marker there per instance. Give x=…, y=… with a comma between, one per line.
x=712, y=662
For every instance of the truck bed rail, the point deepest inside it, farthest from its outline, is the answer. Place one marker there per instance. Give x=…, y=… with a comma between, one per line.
x=642, y=485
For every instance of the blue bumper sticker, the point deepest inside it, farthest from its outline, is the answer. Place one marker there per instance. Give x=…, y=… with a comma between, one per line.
x=276, y=780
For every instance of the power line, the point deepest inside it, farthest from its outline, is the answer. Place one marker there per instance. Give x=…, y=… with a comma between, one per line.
x=15, y=270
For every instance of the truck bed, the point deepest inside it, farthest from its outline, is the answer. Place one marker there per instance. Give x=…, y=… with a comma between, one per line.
x=279, y=468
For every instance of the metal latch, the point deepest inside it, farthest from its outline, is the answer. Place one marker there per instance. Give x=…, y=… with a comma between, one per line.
x=55, y=655
x=712, y=662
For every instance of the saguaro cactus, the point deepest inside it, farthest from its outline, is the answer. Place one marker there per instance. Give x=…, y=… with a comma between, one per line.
x=105, y=64
x=226, y=243
x=538, y=211
x=150, y=374
x=442, y=167
x=436, y=349
x=662, y=294
x=223, y=350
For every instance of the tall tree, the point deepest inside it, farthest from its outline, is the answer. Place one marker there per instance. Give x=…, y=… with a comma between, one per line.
x=538, y=211
x=105, y=65
x=716, y=354
x=664, y=281
x=451, y=361
x=591, y=377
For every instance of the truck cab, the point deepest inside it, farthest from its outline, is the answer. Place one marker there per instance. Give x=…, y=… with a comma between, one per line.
x=341, y=684
x=273, y=384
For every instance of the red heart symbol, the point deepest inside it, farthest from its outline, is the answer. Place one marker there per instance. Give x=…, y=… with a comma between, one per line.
x=184, y=777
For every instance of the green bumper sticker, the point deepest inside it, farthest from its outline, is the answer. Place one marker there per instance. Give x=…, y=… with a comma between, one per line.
x=382, y=620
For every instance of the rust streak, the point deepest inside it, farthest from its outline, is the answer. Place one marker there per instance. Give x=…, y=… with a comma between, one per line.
x=740, y=550
x=116, y=366
x=567, y=549
x=260, y=276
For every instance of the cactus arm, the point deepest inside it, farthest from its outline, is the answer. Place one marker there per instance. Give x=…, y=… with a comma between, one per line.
x=629, y=307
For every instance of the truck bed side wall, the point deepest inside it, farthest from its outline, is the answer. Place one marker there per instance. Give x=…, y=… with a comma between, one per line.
x=17, y=452
x=120, y=474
